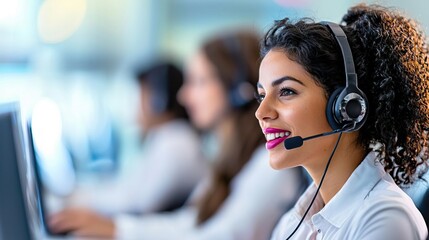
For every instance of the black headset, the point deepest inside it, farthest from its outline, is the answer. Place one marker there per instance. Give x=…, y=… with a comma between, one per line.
x=241, y=91
x=164, y=80
x=347, y=105
x=160, y=98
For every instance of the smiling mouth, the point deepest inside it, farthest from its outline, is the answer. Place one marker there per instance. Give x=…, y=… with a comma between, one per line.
x=272, y=136
x=275, y=138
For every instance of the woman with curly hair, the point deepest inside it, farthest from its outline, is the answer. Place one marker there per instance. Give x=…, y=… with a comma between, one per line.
x=375, y=126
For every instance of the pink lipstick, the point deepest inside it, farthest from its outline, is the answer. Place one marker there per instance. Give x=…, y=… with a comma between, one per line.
x=275, y=136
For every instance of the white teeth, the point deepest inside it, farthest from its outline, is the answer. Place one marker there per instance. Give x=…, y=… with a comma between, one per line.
x=272, y=136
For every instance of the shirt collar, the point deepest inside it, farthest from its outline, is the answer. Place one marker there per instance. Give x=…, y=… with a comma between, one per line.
x=305, y=200
x=355, y=190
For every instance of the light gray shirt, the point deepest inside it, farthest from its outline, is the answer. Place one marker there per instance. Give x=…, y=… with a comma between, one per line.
x=258, y=198
x=170, y=167
x=369, y=206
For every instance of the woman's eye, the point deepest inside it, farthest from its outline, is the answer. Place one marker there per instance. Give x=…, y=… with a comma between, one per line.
x=287, y=92
x=259, y=97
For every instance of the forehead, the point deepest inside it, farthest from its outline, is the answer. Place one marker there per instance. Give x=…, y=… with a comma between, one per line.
x=198, y=61
x=276, y=64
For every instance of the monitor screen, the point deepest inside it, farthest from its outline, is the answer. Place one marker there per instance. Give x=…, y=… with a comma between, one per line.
x=19, y=210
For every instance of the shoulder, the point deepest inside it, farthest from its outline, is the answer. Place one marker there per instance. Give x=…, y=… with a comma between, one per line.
x=388, y=196
x=388, y=211
x=179, y=126
x=178, y=134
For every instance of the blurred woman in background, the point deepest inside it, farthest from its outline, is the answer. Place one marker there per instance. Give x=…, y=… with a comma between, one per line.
x=242, y=198
x=169, y=166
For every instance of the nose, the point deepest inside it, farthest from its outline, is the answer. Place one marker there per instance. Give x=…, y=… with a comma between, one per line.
x=266, y=111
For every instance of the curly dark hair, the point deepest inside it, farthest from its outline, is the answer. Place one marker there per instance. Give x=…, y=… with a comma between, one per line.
x=392, y=63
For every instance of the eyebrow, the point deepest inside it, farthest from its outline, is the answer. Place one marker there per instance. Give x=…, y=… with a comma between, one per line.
x=281, y=80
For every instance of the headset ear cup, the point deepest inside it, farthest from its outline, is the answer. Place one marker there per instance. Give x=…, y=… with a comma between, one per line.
x=241, y=94
x=357, y=108
x=331, y=109
x=159, y=103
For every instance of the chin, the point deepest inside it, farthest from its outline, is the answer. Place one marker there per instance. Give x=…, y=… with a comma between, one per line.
x=199, y=123
x=282, y=161
x=276, y=163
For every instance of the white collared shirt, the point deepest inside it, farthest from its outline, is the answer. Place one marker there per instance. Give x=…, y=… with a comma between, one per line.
x=369, y=206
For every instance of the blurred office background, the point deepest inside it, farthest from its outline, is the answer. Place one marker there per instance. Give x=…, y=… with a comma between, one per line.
x=69, y=62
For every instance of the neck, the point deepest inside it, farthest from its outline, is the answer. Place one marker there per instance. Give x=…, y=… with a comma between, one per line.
x=224, y=129
x=344, y=161
x=160, y=120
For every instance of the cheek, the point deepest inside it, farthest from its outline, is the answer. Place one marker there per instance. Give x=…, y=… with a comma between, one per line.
x=215, y=104
x=145, y=106
x=299, y=118
x=313, y=117
x=303, y=120
x=204, y=104
x=148, y=114
x=146, y=97
x=310, y=118
x=181, y=95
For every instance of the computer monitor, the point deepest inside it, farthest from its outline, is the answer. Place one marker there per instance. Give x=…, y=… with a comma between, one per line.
x=19, y=210
x=40, y=186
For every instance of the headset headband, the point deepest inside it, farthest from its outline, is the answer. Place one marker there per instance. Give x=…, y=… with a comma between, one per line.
x=349, y=66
